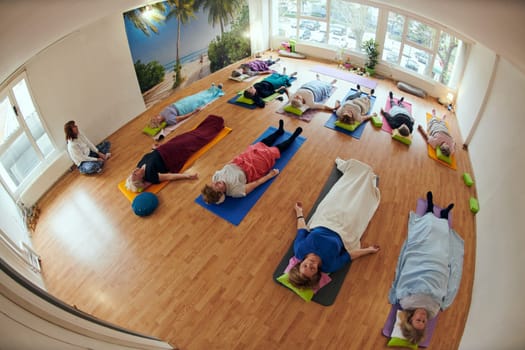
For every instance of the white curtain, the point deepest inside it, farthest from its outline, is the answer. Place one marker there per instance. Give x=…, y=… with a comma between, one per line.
x=259, y=25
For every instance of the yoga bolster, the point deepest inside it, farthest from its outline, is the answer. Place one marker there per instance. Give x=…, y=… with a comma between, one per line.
x=468, y=179
x=145, y=204
x=474, y=205
x=377, y=121
x=411, y=89
x=153, y=131
x=296, y=111
x=407, y=140
x=441, y=156
x=346, y=126
x=245, y=100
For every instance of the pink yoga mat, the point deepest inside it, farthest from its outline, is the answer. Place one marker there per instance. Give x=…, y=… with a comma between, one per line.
x=347, y=76
x=386, y=127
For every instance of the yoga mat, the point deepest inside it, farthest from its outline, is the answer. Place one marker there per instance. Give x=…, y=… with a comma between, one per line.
x=326, y=295
x=432, y=151
x=155, y=188
x=347, y=76
x=386, y=127
x=270, y=98
x=421, y=209
x=309, y=114
x=234, y=210
x=330, y=123
x=391, y=320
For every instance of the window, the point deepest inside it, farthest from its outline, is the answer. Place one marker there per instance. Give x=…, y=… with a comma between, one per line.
x=24, y=143
x=411, y=44
x=351, y=24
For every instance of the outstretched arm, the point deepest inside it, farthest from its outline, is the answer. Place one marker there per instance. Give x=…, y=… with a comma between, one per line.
x=357, y=253
x=301, y=221
x=249, y=187
x=177, y=176
x=422, y=132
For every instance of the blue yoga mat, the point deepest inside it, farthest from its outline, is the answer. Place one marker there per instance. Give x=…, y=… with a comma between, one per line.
x=235, y=209
x=233, y=101
x=358, y=132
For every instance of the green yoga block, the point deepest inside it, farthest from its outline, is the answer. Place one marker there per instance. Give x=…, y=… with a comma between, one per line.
x=474, y=205
x=377, y=121
x=468, y=179
x=441, y=156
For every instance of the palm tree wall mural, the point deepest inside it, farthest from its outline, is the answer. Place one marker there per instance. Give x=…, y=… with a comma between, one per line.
x=176, y=42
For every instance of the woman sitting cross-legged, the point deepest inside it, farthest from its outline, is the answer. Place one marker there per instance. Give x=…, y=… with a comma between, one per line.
x=320, y=250
x=249, y=169
x=165, y=161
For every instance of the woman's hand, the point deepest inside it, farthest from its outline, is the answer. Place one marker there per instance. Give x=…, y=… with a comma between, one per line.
x=193, y=176
x=299, y=208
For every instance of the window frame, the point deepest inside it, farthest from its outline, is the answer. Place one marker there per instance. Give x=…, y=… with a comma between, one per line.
x=7, y=90
x=380, y=37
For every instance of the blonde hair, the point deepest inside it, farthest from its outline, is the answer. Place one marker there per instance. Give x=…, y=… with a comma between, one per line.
x=298, y=280
x=154, y=122
x=134, y=185
x=409, y=332
x=297, y=103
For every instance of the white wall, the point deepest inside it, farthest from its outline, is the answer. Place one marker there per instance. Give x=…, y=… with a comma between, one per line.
x=474, y=88
x=88, y=77
x=496, y=314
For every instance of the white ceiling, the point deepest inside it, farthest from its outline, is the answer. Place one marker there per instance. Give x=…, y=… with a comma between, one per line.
x=29, y=26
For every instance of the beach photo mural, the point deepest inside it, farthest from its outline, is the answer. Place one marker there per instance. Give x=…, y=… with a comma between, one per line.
x=174, y=43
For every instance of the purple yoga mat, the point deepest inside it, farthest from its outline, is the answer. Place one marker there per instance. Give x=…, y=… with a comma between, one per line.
x=347, y=76
x=391, y=320
x=421, y=209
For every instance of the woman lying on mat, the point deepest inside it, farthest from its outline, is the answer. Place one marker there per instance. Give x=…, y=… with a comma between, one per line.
x=255, y=67
x=428, y=271
x=270, y=85
x=438, y=134
x=320, y=250
x=354, y=108
x=186, y=107
x=311, y=93
x=87, y=157
x=399, y=117
x=164, y=162
x=249, y=169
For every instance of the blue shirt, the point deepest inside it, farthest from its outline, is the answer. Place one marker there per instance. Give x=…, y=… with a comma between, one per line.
x=325, y=243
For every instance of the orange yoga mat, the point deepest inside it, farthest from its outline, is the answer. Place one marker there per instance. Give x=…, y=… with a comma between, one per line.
x=155, y=188
x=432, y=151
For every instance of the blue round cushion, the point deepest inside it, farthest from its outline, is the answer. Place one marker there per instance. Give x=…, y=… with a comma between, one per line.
x=145, y=204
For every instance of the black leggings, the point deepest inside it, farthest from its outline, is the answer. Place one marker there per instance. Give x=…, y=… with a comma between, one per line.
x=270, y=139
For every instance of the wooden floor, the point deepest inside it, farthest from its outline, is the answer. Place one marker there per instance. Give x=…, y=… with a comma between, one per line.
x=191, y=278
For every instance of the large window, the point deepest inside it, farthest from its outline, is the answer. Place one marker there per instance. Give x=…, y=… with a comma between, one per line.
x=345, y=25
x=421, y=48
x=411, y=44
x=24, y=143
